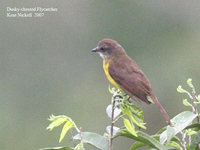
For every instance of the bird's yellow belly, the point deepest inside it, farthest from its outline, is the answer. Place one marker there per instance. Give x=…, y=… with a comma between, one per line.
x=106, y=70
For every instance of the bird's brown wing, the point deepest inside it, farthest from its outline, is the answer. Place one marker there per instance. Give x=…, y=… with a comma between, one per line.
x=130, y=78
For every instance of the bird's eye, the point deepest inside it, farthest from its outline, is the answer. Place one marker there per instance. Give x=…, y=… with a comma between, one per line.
x=102, y=48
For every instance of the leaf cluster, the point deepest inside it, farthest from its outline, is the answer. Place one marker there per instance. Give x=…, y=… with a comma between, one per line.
x=184, y=134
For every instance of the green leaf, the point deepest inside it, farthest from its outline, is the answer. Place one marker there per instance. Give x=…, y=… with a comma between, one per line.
x=186, y=103
x=174, y=139
x=57, y=148
x=189, y=82
x=65, y=129
x=111, y=90
x=143, y=138
x=190, y=132
x=137, y=145
x=136, y=111
x=170, y=133
x=181, y=90
x=195, y=141
x=129, y=127
x=137, y=115
x=79, y=147
x=177, y=146
x=132, y=118
x=177, y=140
x=94, y=139
x=196, y=125
x=56, y=121
x=180, y=121
x=198, y=97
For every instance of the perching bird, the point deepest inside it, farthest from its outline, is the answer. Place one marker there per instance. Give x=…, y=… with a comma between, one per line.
x=125, y=74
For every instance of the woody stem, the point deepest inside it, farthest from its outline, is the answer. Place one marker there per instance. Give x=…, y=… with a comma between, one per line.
x=112, y=123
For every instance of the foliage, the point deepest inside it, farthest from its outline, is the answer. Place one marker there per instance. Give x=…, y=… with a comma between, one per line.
x=184, y=134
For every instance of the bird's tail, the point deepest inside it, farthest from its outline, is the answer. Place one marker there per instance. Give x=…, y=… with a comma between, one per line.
x=162, y=110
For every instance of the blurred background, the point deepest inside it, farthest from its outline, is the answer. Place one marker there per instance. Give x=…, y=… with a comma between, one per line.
x=46, y=64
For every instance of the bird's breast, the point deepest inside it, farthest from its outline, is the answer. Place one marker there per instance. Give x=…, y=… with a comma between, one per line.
x=106, y=70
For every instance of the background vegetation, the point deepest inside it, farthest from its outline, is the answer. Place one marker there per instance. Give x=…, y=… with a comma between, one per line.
x=47, y=67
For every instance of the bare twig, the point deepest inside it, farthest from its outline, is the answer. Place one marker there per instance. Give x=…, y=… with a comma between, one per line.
x=112, y=123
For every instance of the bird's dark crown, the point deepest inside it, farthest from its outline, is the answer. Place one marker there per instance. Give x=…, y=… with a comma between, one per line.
x=108, y=44
x=108, y=48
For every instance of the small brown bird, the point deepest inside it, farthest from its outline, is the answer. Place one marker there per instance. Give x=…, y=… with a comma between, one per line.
x=125, y=74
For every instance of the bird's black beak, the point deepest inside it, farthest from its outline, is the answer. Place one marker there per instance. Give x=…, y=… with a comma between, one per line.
x=95, y=49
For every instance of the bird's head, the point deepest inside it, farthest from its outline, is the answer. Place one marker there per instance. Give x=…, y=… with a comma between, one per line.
x=108, y=48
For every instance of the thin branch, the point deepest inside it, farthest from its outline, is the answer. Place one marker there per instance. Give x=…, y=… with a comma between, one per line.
x=112, y=123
